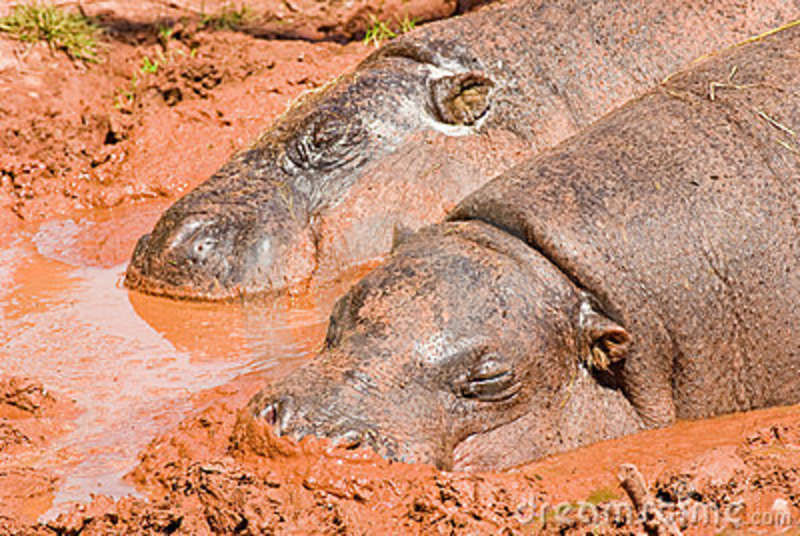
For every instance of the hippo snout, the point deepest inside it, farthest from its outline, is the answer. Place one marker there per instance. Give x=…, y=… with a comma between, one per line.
x=286, y=419
x=184, y=253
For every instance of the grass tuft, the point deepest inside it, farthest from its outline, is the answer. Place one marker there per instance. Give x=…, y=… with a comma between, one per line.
x=61, y=30
x=602, y=495
x=377, y=32
x=380, y=31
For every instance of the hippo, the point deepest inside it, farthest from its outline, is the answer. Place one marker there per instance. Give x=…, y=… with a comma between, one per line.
x=643, y=271
x=421, y=123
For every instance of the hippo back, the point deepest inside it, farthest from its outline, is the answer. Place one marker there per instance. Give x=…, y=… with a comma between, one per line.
x=679, y=213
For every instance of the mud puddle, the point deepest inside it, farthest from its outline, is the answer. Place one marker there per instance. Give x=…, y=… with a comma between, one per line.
x=131, y=363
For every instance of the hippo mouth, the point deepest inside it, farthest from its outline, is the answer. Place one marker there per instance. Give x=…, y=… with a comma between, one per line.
x=140, y=282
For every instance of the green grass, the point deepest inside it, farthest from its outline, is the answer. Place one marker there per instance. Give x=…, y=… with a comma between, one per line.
x=70, y=32
x=407, y=24
x=149, y=66
x=228, y=18
x=164, y=35
x=124, y=99
x=380, y=31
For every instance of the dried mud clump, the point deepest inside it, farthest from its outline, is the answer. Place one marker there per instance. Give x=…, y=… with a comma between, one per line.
x=30, y=419
x=226, y=472
x=26, y=412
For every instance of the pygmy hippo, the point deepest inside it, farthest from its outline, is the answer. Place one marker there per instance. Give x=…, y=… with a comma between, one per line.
x=646, y=270
x=421, y=123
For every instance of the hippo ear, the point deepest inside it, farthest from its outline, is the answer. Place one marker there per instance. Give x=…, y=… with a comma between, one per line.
x=603, y=341
x=461, y=99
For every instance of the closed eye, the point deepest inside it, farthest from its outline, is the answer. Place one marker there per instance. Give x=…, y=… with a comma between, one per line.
x=491, y=379
x=328, y=141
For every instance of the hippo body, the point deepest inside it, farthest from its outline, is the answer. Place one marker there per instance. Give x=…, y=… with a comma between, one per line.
x=421, y=123
x=646, y=270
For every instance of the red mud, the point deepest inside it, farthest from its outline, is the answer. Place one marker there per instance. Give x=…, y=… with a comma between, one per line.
x=76, y=137
x=30, y=417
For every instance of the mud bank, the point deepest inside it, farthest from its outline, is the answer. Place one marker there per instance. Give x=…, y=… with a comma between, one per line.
x=30, y=419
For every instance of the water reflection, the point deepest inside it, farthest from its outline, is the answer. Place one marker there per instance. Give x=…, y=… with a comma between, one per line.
x=131, y=362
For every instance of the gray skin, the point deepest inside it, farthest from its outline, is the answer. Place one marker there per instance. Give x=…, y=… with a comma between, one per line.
x=420, y=124
x=644, y=271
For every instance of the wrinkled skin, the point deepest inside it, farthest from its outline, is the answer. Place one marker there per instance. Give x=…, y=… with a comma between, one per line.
x=416, y=127
x=645, y=270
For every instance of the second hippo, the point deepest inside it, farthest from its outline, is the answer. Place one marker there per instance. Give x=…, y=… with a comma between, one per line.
x=421, y=123
x=644, y=271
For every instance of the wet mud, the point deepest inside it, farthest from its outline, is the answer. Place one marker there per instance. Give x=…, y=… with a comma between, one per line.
x=121, y=413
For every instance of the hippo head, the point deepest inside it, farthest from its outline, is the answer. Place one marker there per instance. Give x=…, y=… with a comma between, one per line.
x=462, y=350
x=251, y=227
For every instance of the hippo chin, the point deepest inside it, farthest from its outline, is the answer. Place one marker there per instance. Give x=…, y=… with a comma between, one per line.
x=645, y=270
x=420, y=124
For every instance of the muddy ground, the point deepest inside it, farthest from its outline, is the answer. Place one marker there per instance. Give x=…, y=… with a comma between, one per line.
x=124, y=136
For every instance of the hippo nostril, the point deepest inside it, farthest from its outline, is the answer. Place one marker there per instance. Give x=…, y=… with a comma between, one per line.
x=202, y=247
x=269, y=414
x=277, y=414
x=349, y=440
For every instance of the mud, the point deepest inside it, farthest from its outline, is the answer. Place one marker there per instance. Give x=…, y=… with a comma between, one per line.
x=30, y=419
x=245, y=480
x=76, y=136
x=207, y=470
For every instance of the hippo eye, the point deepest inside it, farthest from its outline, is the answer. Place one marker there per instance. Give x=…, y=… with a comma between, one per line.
x=491, y=380
x=329, y=140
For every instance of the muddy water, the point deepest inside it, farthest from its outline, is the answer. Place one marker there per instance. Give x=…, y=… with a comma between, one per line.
x=131, y=362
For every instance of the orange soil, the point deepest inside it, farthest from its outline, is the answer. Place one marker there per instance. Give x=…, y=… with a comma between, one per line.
x=76, y=136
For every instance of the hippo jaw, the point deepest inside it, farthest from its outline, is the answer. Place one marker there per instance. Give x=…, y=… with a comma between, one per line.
x=416, y=367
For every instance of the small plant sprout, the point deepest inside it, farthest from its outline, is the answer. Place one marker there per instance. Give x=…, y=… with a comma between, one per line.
x=149, y=66
x=228, y=18
x=407, y=24
x=164, y=35
x=378, y=32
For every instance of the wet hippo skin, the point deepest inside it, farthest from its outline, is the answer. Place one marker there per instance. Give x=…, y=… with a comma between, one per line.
x=643, y=271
